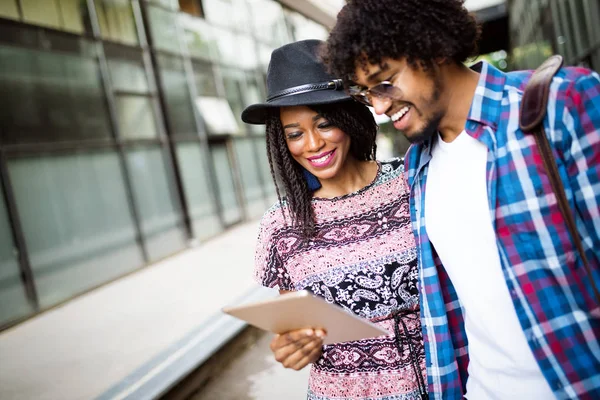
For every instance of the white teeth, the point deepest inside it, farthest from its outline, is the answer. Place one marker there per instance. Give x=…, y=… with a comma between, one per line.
x=322, y=159
x=400, y=114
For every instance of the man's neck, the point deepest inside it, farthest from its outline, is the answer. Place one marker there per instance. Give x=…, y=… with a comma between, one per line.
x=460, y=83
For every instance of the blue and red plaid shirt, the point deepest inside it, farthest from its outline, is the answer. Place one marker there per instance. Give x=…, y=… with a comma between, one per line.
x=545, y=276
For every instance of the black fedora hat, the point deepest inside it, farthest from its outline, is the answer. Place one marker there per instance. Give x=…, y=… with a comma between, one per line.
x=296, y=77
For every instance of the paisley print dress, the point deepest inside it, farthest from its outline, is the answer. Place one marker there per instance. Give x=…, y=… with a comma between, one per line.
x=362, y=258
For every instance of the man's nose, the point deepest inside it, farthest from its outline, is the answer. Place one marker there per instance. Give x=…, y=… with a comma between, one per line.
x=380, y=104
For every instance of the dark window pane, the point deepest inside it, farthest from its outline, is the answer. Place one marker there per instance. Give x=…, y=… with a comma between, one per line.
x=192, y=7
x=53, y=96
x=13, y=302
x=157, y=202
x=180, y=112
x=116, y=21
x=76, y=221
x=8, y=9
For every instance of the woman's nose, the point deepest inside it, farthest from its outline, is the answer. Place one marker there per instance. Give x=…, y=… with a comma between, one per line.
x=315, y=141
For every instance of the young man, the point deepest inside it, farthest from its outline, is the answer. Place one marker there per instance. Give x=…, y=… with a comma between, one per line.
x=508, y=309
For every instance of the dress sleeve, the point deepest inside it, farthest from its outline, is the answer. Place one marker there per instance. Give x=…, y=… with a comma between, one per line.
x=269, y=269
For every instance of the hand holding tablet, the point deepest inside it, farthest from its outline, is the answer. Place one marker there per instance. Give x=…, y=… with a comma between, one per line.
x=298, y=310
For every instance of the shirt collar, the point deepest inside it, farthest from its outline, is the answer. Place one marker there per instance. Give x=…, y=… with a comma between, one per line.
x=485, y=107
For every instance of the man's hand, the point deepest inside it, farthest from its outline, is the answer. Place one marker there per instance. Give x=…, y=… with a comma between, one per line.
x=297, y=349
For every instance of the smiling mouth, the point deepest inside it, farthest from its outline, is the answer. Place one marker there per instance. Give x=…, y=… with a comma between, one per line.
x=398, y=115
x=321, y=159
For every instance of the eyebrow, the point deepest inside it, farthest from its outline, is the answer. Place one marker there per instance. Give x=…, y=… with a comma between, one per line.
x=296, y=125
x=371, y=77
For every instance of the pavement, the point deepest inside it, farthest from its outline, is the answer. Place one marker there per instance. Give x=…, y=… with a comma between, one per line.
x=255, y=375
x=126, y=339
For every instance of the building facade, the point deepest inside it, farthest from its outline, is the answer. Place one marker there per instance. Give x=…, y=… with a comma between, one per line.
x=540, y=28
x=120, y=136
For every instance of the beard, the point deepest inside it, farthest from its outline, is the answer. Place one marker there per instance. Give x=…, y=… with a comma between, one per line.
x=431, y=127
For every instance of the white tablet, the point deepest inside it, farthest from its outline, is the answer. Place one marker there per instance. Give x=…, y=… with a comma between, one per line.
x=298, y=310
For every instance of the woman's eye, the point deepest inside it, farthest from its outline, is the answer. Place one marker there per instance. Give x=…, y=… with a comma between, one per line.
x=294, y=135
x=325, y=125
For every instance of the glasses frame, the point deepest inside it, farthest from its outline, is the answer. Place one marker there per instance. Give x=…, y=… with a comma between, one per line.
x=382, y=90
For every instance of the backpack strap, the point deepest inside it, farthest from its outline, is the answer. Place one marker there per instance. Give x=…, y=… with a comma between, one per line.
x=531, y=118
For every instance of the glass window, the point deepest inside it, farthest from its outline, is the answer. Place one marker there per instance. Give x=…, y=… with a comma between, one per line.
x=235, y=87
x=241, y=16
x=76, y=221
x=227, y=48
x=72, y=12
x=198, y=36
x=126, y=70
x=303, y=28
x=116, y=21
x=9, y=9
x=54, y=96
x=204, y=79
x=156, y=201
x=247, y=57
x=163, y=29
x=227, y=194
x=249, y=171
x=192, y=7
x=219, y=12
x=269, y=22
x=205, y=220
x=13, y=300
x=136, y=117
x=265, y=169
x=44, y=13
x=180, y=110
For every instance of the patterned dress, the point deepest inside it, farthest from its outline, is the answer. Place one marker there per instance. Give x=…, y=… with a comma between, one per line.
x=362, y=258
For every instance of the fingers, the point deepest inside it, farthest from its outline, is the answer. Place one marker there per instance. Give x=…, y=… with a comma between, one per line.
x=296, y=349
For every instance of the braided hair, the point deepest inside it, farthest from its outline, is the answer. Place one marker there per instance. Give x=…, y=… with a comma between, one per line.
x=352, y=118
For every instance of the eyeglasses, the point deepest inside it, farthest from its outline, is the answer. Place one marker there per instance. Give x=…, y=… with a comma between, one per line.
x=384, y=89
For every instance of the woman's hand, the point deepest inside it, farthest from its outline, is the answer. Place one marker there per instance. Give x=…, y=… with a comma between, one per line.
x=297, y=349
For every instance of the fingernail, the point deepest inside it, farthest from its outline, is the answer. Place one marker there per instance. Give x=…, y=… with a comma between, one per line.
x=320, y=334
x=309, y=332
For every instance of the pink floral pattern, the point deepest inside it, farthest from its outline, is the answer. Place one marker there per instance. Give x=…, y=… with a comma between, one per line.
x=362, y=258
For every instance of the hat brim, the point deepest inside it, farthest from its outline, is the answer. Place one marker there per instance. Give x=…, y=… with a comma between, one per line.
x=257, y=113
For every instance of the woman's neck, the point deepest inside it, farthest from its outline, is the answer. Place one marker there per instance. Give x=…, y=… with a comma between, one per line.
x=354, y=176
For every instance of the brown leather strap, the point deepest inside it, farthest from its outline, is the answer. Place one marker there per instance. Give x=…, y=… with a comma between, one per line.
x=532, y=113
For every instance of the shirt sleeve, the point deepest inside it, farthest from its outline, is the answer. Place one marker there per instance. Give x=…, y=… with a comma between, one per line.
x=269, y=269
x=581, y=148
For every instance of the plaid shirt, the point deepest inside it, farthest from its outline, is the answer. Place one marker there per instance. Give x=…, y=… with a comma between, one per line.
x=549, y=287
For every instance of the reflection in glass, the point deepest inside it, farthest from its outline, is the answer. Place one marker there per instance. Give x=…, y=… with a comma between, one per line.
x=128, y=74
x=198, y=36
x=230, y=207
x=180, y=117
x=116, y=21
x=76, y=221
x=163, y=29
x=156, y=201
x=136, y=117
x=205, y=220
x=234, y=82
x=249, y=171
x=227, y=48
x=13, y=301
x=53, y=96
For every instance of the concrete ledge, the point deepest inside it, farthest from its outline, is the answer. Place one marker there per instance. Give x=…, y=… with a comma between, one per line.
x=163, y=372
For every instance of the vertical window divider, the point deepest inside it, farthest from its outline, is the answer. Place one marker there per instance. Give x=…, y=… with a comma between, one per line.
x=18, y=235
x=110, y=103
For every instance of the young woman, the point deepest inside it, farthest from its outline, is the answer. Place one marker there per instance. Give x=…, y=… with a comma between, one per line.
x=342, y=232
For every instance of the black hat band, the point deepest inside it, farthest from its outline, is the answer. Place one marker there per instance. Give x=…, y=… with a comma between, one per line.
x=335, y=84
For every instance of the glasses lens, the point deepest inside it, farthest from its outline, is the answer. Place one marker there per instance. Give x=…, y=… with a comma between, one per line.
x=385, y=89
x=359, y=94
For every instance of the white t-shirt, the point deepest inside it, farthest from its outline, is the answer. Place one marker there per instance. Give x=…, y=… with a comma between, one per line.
x=459, y=225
